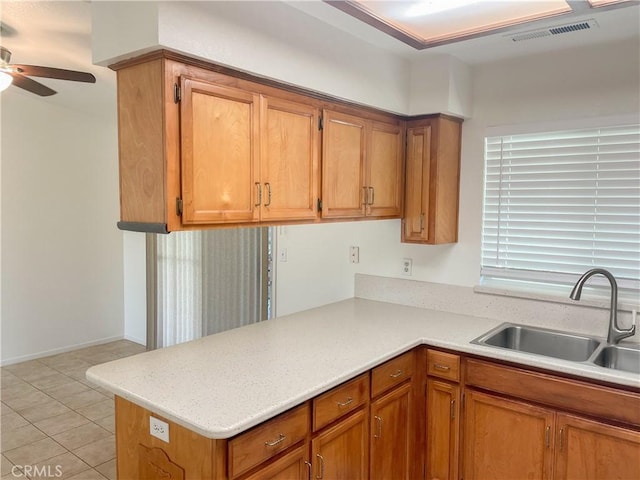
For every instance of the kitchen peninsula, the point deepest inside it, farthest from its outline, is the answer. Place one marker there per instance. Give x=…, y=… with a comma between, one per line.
x=278, y=399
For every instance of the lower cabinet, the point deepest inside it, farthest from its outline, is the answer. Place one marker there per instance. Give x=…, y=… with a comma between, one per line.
x=509, y=439
x=506, y=439
x=341, y=451
x=586, y=449
x=391, y=435
x=484, y=421
x=443, y=420
x=294, y=465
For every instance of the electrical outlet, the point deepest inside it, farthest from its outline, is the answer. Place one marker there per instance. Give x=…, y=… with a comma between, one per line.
x=407, y=266
x=283, y=255
x=354, y=254
x=159, y=429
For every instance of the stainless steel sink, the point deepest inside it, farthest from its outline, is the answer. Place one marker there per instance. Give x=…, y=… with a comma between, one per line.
x=619, y=358
x=540, y=341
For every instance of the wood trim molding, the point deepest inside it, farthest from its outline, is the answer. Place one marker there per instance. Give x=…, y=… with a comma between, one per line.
x=286, y=87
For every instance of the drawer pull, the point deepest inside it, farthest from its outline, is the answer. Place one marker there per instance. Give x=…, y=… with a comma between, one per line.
x=280, y=439
x=321, y=466
x=345, y=403
x=379, y=424
x=441, y=367
x=396, y=374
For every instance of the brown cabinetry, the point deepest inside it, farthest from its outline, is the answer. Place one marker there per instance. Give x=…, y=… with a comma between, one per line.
x=392, y=420
x=219, y=143
x=432, y=180
x=246, y=157
x=529, y=436
x=586, y=449
x=362, y=166
x=513, y=423
x=200, y=148
x=341, y=451
x=506, y=439
x=443, y=415
x=289, y=169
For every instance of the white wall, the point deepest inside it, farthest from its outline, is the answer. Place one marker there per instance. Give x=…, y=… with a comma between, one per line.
x=575, y=84
x=62, y=271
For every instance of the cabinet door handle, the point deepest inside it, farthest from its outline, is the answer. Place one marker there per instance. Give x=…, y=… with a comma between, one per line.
x=258, y=194
x=373, y=195
x=421, y=221
x=308, y=464
x=348, y=401
x=365, y=195
x=561, y=434
x=320, y=466
x=397, y=374
x=437, y=366
x=280, y=439
x=453, y=409
x=268, y=185
x=547, y=436
x=379, y=425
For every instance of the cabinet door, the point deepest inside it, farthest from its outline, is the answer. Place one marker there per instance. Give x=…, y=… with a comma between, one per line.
x=384, y=179
x=289, y=160
x=219, y=132
x=588, y=450
x=341, y=452
x=343, y=173
x=391, y=427
x=293, y=466
x=443, y=419
x=505, y=439
x=415, y=224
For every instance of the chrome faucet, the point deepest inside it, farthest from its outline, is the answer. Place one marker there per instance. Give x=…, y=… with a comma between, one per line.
x=615, y=333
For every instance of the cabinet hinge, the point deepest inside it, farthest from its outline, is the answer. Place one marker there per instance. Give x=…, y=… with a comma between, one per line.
x=320, y=123
x=319, y=205
x=177, y=94
x=179, y=207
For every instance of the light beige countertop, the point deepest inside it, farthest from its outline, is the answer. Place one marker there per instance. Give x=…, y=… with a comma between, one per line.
x=223, y=384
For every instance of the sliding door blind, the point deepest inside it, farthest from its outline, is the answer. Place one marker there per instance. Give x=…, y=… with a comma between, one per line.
x=557, y=204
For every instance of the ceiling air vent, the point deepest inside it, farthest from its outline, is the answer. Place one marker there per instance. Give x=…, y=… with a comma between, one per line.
x=555, y=30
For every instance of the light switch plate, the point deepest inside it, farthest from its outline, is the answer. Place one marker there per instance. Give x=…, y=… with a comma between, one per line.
x=159, y=429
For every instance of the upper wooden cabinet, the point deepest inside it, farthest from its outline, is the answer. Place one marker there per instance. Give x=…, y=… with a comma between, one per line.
x=289, y=167
x=199, y=148
x=362, y=166
x=201, y=145
x=432, y=181
x=219, y=140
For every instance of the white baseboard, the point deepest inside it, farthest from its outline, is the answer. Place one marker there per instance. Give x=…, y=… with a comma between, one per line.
x=55, y=351
x=139, y=341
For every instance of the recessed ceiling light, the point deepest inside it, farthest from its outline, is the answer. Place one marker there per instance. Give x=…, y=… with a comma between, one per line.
x=429, y=7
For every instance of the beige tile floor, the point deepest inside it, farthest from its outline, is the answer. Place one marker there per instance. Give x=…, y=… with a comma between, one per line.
x=55, y=423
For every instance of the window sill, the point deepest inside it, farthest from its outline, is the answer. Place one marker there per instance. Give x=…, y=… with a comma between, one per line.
x=556, y=294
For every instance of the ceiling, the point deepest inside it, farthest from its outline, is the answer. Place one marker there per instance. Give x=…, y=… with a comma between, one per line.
x=58, y=34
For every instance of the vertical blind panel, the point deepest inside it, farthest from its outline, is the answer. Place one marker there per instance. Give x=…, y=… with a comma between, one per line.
x=562, y=203
x=208, y=281
x=232, y=279
x=179, y=300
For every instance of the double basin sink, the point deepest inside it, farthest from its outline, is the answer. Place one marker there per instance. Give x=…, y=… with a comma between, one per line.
x=563, y=345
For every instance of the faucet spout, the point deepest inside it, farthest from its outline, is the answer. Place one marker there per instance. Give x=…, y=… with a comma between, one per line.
x=615, y=332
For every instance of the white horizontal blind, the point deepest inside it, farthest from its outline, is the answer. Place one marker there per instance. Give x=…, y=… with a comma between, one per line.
x=559, y=203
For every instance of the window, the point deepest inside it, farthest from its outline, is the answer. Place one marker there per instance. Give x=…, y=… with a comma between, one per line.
x=559, y=203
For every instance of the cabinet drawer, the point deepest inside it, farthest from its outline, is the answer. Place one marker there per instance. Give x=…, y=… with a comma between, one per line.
x=443, y=365
x=340, y=401
x=268, y=439
x=391, y=373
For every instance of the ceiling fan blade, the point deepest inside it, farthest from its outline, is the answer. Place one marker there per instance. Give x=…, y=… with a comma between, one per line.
x=31, y=85
x=59, y=73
